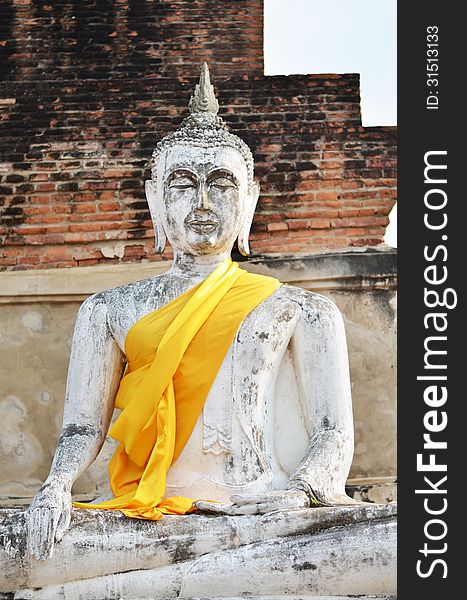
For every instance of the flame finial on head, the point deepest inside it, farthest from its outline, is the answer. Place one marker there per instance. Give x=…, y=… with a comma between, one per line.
x=204, y=99
x=203, y=127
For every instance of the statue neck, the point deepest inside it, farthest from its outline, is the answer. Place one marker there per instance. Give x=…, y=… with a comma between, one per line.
x=197, y=267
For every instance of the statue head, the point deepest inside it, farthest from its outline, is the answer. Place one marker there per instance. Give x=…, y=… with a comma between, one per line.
x=202, y=195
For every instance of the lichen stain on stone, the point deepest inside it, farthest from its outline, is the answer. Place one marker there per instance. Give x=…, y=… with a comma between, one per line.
x=285, y=317
x=13, y=537
x=185, y=550
x=305, y=566
x=74, y=429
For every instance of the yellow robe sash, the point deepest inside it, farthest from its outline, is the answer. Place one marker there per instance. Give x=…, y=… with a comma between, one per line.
x=173, y=354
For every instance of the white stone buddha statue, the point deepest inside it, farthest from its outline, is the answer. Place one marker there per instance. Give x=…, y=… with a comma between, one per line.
x=276, y=430
x=266, y=456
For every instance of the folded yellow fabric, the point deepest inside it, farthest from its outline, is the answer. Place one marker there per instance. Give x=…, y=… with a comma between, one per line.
x=173, y=355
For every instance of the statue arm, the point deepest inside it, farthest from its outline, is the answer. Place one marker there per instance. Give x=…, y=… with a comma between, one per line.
x=95, y=369
x=324, y=384
x=321, y=363
x=94, y=373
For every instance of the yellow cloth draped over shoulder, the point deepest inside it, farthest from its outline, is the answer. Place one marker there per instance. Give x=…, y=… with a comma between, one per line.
x=173, y=354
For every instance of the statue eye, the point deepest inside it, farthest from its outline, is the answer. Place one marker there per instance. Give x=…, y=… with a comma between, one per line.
x=182, y=183
x=222, y=182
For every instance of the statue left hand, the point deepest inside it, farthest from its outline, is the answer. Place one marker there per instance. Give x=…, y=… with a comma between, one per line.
x=258, y=504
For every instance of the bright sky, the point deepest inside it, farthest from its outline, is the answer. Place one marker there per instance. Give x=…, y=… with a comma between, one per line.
x=337, y=36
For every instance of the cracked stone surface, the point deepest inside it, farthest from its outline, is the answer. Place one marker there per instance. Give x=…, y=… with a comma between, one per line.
x=341, y=550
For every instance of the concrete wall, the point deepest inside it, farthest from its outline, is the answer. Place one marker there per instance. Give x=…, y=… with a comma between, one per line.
x=37, y=313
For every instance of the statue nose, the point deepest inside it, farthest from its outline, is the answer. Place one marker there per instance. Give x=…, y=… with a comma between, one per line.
x=203, y=197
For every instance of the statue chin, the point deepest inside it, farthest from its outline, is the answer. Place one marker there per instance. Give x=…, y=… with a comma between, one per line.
x=205, y=244
x=272, y=440
x=194, y=243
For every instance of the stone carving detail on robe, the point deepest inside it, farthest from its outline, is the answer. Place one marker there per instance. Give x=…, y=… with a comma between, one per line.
x=215, y=440
x=217, y=424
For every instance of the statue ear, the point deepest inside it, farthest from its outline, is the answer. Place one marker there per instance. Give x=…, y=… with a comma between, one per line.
x=242, y=242
x=161, y=237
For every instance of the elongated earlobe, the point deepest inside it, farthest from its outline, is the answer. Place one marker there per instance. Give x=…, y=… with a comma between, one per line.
x=244, y=233
x=159, y=232
x=161, y=238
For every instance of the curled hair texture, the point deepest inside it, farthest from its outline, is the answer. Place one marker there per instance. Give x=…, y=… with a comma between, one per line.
x=203, y=128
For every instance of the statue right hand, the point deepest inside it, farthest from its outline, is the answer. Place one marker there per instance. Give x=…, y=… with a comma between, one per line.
x=47, y=518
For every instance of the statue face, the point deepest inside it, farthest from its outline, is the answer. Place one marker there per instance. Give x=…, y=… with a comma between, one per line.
x=202, y=198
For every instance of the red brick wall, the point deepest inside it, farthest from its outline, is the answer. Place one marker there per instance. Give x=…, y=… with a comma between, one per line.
x=90, y=87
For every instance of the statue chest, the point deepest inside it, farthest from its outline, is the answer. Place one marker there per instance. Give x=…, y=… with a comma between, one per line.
x=232, y=446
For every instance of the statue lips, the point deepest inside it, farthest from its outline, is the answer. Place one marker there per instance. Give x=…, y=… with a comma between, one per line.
x=202, y=224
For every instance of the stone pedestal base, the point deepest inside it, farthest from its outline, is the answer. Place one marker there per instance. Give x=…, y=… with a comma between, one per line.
x=329, y=553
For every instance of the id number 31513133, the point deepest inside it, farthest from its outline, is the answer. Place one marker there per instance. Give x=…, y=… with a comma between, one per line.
x=432, y=67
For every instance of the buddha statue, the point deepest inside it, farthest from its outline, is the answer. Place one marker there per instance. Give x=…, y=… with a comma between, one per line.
x=233, y=389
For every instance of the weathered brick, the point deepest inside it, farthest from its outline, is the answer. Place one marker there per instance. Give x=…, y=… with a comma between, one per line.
x=277, y=227
x=108, y=206
x=75, y=152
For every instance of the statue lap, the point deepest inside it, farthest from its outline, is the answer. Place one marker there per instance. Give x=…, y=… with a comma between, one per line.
x=301, y=553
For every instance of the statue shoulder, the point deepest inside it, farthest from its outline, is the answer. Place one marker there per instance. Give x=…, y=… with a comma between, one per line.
x=121, y=300
x=314, y=307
